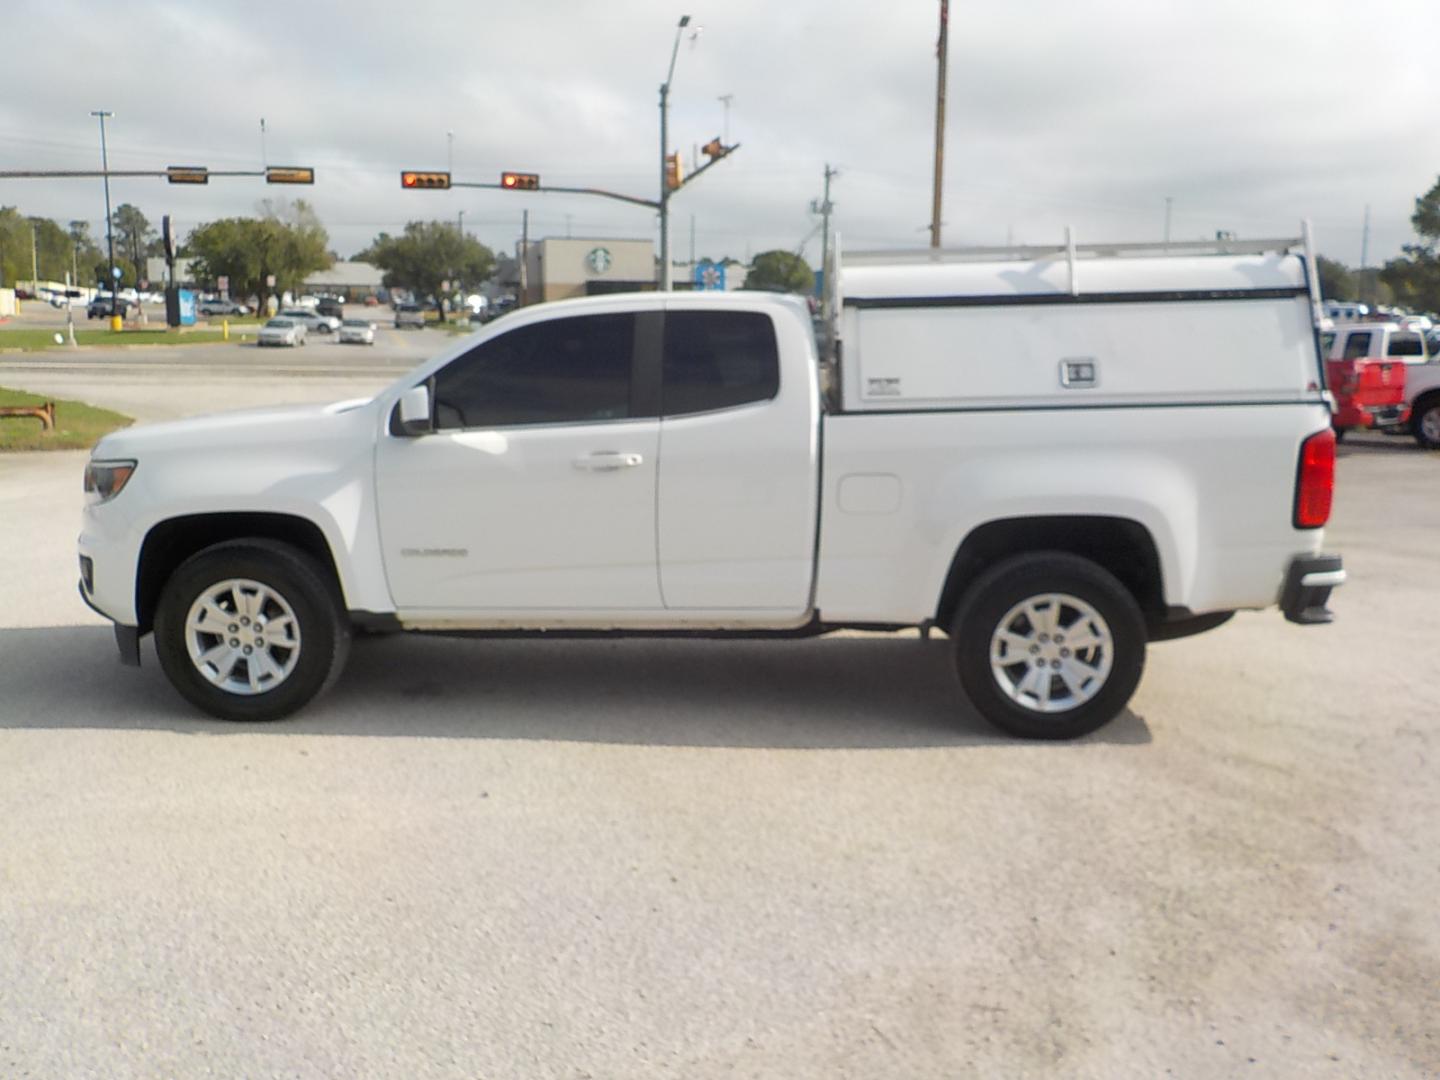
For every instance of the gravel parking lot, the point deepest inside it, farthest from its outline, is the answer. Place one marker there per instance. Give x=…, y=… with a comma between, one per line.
x=696, y=859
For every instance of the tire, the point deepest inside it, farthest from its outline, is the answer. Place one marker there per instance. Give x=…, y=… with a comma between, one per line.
x=230, y=576
x=1019, y=608
x=1425, y=424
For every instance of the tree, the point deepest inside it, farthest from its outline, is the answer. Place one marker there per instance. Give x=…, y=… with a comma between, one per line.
x=780, y=271
x=1415, y=276
x=428, y=253
x=288, y=241
x=1336, y=280
x=133, y=233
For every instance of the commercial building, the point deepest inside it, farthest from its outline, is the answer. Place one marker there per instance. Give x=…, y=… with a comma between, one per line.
x=348, y=280
x=558, y=268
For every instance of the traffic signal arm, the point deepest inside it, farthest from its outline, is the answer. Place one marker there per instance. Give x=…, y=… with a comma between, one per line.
x=715, y=159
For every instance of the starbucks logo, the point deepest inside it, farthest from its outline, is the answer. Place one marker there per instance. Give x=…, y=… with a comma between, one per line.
x=599, y=260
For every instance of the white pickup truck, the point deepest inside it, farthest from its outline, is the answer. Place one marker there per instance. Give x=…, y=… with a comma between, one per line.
x=1053, y=454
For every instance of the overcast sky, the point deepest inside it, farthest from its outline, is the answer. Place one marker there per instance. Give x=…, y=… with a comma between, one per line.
x=1249, y=114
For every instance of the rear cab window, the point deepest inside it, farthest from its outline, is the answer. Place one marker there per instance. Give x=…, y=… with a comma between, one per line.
x=1357, y=345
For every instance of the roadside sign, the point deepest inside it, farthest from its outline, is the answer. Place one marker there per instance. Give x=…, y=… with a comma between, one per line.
x=289, y=174
x=269, y=281
x=187, y=174
x=223, y=284
x=710, y=276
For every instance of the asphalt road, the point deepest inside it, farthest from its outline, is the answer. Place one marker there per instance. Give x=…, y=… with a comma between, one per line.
x=701, y=859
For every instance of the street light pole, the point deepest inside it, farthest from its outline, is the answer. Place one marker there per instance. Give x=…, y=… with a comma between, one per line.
x=664, y=172
x=115, y=321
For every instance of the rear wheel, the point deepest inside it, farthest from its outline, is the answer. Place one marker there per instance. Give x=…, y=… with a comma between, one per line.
x=1049, y=645
x=251, y=630
x=1425, y=424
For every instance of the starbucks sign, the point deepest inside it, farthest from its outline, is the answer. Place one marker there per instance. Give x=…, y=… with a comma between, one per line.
x=599, y=260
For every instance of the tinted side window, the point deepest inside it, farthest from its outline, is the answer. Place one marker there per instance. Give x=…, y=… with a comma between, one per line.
x=559, y=372
x=717, y=360
x=1357, y=345
x=1405, y=345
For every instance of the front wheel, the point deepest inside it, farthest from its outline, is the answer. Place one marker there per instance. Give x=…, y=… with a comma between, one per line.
x=1049, y=645
x=251, y=630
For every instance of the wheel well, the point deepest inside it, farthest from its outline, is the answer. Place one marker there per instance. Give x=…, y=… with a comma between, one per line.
x=1428, y=398
x=170, y=543
x=1122, y=546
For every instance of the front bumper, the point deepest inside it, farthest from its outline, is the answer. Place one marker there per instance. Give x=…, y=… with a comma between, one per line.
x=1307, y=588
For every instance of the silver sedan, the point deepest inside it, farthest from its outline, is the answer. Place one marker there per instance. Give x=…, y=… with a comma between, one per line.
x=357, y=332
x=280, y=331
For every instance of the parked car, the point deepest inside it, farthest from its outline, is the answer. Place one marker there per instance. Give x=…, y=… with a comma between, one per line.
x=331, y=307
x=222, y=307
x=357, y=332
x=409, y=315
x=314, y=321
x=282, y=331
x=99, y=308
x=669, y=462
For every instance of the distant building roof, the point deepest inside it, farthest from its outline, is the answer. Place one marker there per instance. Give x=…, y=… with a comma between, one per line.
x=346, y=275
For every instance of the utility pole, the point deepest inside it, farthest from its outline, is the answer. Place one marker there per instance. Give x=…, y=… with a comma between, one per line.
x=460, y=222
x=524, y=257
x=1168, y=201
x=725, y=100
x=941, y=50
x=264, y=154
x=692, y=246
x=823, y=208
x=1365, y=240
x=664, y=150
x=115, y=321
x=34, y=261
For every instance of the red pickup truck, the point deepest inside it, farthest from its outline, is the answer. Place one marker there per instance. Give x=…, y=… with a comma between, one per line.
x=1366, y=372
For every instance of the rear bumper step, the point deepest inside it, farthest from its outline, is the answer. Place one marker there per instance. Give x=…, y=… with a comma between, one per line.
x=1307, y=588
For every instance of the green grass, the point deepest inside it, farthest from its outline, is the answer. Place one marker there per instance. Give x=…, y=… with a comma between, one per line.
x=77, y=426
x=34, y=340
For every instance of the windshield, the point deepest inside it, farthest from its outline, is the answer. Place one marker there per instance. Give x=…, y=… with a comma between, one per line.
x=279, y=324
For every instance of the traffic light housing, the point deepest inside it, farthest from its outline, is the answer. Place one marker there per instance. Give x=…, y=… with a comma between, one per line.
x=714, y=149
x=434, y=181
x=187, y=174
x=674, y=172
x=289, y=174
x=520, y=181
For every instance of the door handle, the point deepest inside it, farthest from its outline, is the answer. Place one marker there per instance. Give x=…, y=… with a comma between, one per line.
x=608, y=461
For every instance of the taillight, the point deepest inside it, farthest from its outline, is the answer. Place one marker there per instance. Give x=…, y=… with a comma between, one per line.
x=1315, y=482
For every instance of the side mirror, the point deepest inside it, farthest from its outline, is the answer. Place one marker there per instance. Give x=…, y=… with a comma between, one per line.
x=413, y=412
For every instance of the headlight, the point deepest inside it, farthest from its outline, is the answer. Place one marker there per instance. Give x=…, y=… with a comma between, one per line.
x=105, y=479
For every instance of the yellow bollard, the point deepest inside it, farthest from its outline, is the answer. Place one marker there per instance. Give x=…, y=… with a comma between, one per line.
x=117, y=322
x=225, y=330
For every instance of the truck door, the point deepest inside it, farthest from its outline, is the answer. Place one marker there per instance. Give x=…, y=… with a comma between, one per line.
x=738, y=465
x=536, y=491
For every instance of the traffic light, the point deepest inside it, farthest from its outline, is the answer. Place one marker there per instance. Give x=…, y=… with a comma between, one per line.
x=432, y=180
x=187, y=174
x=520, y=181
x=289, y=174
x=714, y=149
x=674, y=172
